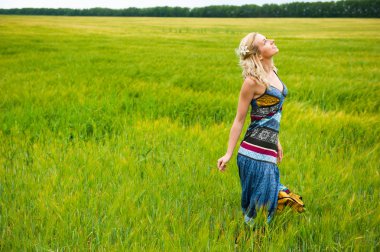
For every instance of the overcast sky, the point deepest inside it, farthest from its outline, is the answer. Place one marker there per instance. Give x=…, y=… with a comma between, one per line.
x=119, y=4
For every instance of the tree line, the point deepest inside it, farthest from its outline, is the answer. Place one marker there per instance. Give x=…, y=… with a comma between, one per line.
x=343, y=8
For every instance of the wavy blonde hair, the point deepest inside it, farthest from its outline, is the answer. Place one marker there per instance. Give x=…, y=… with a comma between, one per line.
x=250, y=61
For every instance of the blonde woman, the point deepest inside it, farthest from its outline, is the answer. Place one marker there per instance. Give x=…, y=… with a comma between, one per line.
x=260, y=150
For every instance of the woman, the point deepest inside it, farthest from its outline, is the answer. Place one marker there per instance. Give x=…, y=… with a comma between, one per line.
x=260, y=151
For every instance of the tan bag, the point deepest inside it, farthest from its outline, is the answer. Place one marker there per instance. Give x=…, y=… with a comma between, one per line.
x=290, y=199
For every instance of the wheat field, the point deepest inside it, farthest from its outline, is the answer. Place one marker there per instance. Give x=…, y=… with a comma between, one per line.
x=111, y=127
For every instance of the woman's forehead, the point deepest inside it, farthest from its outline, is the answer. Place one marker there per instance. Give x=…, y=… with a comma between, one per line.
x=259, y=39
x=260, y=36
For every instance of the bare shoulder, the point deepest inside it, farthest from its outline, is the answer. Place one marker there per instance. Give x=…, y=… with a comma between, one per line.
x=250, y=82
x=248, y=87
x=252, y=86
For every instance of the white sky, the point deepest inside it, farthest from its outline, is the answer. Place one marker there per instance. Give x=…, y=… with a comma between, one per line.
x=120, y=4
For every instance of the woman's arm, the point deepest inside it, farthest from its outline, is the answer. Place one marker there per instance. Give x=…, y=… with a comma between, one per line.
x=245, y=98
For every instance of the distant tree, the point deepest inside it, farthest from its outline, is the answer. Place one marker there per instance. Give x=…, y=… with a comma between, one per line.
x=343, y=8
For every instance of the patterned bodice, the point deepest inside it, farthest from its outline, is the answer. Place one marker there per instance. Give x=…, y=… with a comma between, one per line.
x=261, y=138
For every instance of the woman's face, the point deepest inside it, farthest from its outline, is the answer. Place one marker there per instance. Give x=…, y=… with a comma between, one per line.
x=266, y=46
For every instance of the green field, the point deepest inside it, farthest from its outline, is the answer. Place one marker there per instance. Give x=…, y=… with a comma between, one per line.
x=110, y=131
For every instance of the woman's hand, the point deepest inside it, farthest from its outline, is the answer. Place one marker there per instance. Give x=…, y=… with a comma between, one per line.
x=222, y=162
x=280, y=153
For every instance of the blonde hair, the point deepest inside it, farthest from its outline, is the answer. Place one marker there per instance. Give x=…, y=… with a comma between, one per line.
x=249, y=60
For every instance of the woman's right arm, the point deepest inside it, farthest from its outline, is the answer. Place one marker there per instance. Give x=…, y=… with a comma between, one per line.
x=246, y=94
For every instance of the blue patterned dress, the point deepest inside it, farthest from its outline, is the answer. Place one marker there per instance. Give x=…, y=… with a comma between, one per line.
x=257, y=155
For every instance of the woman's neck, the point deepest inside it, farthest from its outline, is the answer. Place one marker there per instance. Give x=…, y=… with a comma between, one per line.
x=267, y=65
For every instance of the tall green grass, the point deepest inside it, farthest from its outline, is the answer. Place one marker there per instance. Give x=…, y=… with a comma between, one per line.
x=111, y=129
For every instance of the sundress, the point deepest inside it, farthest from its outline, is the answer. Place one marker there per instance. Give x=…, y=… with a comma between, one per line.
x=257, y=155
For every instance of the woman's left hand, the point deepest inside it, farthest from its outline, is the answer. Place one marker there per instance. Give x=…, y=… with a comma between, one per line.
x=280, y=153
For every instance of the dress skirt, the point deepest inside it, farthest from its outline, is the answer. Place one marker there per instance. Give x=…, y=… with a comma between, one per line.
x=260, y=182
